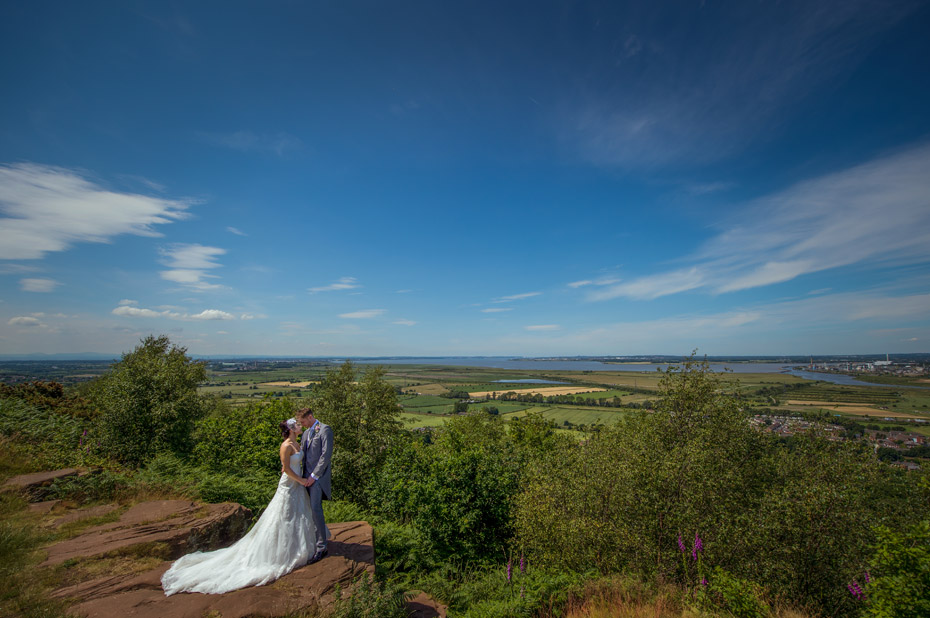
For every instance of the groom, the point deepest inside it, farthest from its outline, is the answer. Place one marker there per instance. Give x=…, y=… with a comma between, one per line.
x=316, y=445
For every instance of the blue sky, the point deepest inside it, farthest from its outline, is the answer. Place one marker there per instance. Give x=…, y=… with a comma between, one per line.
x=520, y=178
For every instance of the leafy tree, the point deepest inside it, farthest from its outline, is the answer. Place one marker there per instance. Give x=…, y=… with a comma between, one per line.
x=242, y=439
x=149, y=402
x=795, y=515
x=363, y=416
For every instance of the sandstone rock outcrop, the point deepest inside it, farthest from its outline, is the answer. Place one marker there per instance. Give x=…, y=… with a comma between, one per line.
x=351, y=554
x=183, y=525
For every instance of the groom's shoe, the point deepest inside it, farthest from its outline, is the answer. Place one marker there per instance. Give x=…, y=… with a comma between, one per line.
x=318, y=556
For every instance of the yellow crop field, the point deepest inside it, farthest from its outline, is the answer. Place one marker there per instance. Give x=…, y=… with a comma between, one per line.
x=549, y=390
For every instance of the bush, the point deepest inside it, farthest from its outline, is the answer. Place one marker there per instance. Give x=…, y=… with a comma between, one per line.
x=245, y=439
x=900, y=586
x=738, y=597
x=370, y=599
x=458, y=491
x=796, y=517
x=149, y=402
x=363, y=417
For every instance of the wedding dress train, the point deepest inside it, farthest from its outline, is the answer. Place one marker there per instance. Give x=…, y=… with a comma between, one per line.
x=278, y=543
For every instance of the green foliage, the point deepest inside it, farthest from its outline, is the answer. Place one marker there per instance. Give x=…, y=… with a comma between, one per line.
x=370, y=599
x=243, y=439
x=797, y=518
x=485, y=592
x=457, y=491
x=149, y=402
x=363, y=417
x=738, y=597
x=54, y=439
x=900, y=586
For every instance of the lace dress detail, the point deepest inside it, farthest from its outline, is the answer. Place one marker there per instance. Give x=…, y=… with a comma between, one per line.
x=278, y=543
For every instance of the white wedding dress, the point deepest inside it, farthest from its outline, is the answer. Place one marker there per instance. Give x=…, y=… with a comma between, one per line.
x=278, y=543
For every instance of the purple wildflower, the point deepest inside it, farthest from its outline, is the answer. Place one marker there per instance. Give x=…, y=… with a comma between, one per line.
x=698, y=546
x=85, y=433
x=681, y=544
x=509, y=570
x=522, y=564
x=868, y=577
x=855, y=590
x=703, y=581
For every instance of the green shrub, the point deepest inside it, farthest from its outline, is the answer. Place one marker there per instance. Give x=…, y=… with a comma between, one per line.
x=457, y=491
x=900, y=586
x=253, y=491
x=243, y=439
x=149, y=402
x=738, y=597
x=363, y=413
x=797, y=517
x=370, y=599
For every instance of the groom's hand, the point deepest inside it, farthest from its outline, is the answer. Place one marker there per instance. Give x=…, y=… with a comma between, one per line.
x=310, y=480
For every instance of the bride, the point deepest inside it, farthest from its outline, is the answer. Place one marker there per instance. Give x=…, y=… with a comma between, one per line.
x=277, y=544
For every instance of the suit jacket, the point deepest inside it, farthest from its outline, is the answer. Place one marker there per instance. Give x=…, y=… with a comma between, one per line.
x=317, y=450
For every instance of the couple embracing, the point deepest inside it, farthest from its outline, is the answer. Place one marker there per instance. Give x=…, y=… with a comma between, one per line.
x=291, y=531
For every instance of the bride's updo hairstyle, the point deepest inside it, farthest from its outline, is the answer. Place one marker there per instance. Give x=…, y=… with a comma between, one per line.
x=287, y=426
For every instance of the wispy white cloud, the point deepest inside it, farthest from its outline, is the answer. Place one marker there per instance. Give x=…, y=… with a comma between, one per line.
x=365, y=314
x=49, y=209
x=141, y=312
x=874, y=212
x=513, y=297
x=236, y=231
x=344, y=283
x=403, y=322
x=545, y=327
x=248, y=141
x=600, y=281
x=17, y=269
x=126, y=302
x=496, y=309
x=25, y=321
x=189, y=264
x=38, y=285
x=647, y=288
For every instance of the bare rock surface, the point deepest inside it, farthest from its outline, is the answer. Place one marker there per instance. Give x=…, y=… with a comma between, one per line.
x=351, y=553
x=38, y=479
x=182, y=525
x=43, y=508
x=424, y=606
x=78, y=515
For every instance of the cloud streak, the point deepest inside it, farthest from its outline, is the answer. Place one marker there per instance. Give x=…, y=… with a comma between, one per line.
x=189, y=263
x=47, y=209
x=365, y=314
x=874, y=212
x=130, y=311
x=38, y=285
x=344, y=283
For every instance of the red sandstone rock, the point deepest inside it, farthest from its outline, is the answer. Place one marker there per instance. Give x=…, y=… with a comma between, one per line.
x=424, y=606
x=183, y=525
x=38, y=479
x=351, y=553
x=43, y=508
x=79, y=514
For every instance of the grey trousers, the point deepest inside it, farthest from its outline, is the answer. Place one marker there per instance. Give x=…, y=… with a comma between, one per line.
x=319, y=522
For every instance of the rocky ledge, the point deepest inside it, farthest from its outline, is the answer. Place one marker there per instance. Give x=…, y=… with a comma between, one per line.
x=114, y=568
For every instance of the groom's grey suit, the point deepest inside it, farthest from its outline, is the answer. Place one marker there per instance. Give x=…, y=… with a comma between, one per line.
x=316, y=445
